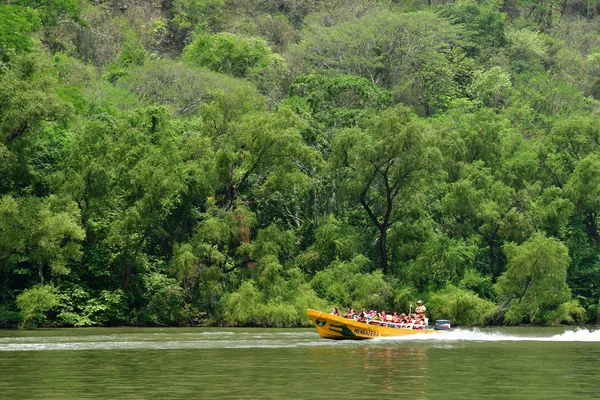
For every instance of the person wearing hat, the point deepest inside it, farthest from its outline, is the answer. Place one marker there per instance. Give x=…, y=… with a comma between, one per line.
x=420, y=310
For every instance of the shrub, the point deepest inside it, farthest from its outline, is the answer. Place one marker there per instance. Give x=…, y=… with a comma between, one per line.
x=228, y=53
x=35, y=302
x=569, y=312
x=166, y=301
x=10, y=317
x=346, y=284
x=462, y=307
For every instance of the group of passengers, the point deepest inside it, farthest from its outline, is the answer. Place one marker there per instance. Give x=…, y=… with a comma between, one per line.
x=415, y=320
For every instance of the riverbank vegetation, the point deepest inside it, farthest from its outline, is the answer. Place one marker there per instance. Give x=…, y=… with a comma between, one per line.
x=184, y=162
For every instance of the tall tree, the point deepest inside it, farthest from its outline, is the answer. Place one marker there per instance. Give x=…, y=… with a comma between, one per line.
x=39, y=236
x=386, y=160
x=382, y=46
x=479, y=205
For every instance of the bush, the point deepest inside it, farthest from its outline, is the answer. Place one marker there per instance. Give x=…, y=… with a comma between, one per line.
x=16, y=23
x=474, y=281
x=569, y=312
x=10, y=317
x=78, y=307
x=492, y=87
x=279, y=314
x=283, y=303
x=35, y=302
x=462, y=307
x=166, y=302
x=534, y=283
x=345, y=284
x=242, y=305
x=227, y=53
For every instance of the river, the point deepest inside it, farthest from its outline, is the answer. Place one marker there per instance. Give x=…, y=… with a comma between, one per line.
x=217, y=363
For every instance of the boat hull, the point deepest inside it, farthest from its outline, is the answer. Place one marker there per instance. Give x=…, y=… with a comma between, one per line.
x=332, y=327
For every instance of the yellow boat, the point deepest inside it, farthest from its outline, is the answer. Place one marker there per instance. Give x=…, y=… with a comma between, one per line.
x=334, y=327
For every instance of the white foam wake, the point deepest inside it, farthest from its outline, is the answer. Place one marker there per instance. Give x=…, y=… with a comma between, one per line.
x=489, y=335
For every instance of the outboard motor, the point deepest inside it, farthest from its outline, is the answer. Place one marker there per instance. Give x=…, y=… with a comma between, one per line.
x=442, y=324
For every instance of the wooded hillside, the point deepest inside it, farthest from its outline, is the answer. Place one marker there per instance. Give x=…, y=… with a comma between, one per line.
x=184, y=162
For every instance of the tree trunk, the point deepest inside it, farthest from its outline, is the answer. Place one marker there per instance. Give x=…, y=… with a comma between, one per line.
x=383, y=248
x=127, y=278
x=492, y=258
x=590, y=226
x=41, y=273
x=233, y=193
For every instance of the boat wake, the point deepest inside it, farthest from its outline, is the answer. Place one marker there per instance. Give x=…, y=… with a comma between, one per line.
x=477, y=335
x=170, y=340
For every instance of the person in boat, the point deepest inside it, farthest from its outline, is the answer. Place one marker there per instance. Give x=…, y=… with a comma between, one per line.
x=402, y=319
x=419, y=324
x=420, y=310
x=351, y=313
x=362, y=316
x=395, y=318
x=335, y=312
x=389, y=317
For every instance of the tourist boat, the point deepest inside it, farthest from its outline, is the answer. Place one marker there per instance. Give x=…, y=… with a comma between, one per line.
x=334, y=327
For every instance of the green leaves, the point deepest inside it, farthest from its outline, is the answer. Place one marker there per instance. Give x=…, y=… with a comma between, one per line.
x=441, y=261
x=297, y=153
x=491, y=88
x=201, y=15
x=379, y=46
x=535, y=280
x=227, y=53
x=583, y=187
x=16, y=23
x=27, y=97
x=186, y=90
x=50, y=10
x=35, y=302
x=282, y=306
x=462, y=307
x=349, y=284
x=40, y=233
x=484, y=25
x=381, y=163
x=184, y=262
x=79, y=307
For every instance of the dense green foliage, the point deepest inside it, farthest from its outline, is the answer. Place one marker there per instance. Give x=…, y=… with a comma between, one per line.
x=236, y=162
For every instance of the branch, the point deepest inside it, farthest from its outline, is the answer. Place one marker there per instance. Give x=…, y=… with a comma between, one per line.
x=242, y=264
x=18, y=132
x=261, y=155
x=189, y=106
x=363, y=201
x=526, y=289
x=552, y=174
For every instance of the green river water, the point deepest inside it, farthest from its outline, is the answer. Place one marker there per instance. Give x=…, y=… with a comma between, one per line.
x=218, y=363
